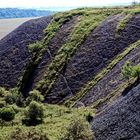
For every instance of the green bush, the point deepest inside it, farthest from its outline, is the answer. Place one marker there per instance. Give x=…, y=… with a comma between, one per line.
x=35, y=47
x=7, y=114
x=20, y=101
x=78, y=130
x=129, y=71
x=34, y=114
x=2, y=104
x=8, y=96
x=15, y=108
x=9, y=99
x=3, y=92
x=35, y=95
x=19, y=134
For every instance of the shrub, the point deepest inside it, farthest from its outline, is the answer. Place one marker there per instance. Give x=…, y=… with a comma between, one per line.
x=2, y=104
x=7, y=114
x=10, y=96
x=15, y=108
x=136, y=72
x=129, y=71
x=78, y=130
x=3, y=92
x=35, y=47
x=19, y=134
x=20, y=101
x=35, y=95
x=9, y=99
x=34, y=114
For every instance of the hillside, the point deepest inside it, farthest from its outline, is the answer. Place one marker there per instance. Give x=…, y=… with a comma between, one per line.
x=22, y=13
x=76, y=57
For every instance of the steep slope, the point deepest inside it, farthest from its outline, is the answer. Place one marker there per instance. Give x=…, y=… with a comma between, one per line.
x=78, y=59
x=14, y=53
x=100, y=45
x=78, y=50
x=120, y=121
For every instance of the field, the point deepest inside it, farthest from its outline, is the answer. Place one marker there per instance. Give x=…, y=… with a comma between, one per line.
x=7, y=25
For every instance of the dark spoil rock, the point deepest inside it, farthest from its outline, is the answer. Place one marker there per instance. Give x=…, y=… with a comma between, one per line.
x=14, y=54
x=98, y=49
x=120, y=121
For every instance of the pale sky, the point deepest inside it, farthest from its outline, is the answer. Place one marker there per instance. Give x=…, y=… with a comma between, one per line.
x=59, y=3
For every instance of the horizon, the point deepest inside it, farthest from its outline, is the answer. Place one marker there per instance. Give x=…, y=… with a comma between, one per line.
x=62, y=5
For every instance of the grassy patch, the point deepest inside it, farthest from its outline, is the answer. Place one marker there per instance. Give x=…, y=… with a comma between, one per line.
x=57, y=119
x=100, y=75
x=122, y=24
x=129, y=14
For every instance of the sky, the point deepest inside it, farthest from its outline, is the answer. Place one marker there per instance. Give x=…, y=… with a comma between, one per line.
x=59, y=3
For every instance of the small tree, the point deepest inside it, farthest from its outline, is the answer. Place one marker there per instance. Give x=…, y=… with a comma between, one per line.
x=134, y=2
x=34, y=114
x=3, y=92
x=127, y=71
x=35, y=95
x=78, y=130
x=7, y=114
x=136, y=72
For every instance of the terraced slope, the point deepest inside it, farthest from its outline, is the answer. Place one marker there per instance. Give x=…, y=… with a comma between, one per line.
x=87, y=51
x=109, y=88
x=77, y=52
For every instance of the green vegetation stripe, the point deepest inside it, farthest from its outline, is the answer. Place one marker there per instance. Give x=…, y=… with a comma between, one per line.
x=89, y=21
x=76, y=38
x=113, y=95
x=122, y=24
x=40, y=47
x=72, y=101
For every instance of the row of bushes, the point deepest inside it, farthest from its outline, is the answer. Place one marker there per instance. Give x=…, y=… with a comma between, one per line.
x=34, y=114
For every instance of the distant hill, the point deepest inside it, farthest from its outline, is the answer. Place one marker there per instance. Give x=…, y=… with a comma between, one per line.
x=19, y=13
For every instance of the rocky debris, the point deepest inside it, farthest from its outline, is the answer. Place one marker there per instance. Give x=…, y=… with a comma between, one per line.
x=121, y=120
x=111, y=82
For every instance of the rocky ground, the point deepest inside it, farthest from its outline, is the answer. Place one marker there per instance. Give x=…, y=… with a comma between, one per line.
x=120, y=121
x=14, y=52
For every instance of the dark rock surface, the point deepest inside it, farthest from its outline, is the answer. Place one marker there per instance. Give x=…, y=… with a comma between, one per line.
x=99, y=48
x=120, y=121
x=54, y=45
x=111, y=82
x=59, y=39
x=14, y=54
